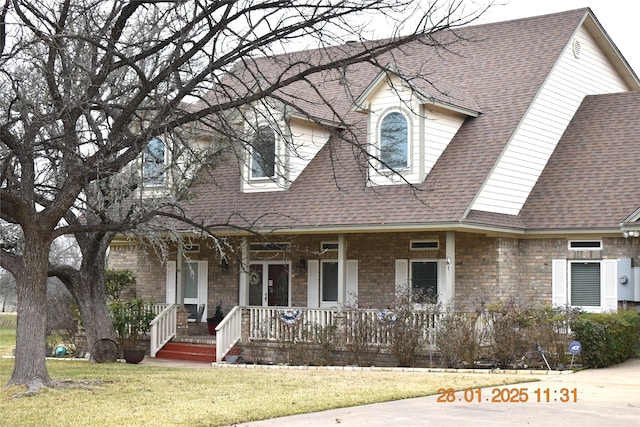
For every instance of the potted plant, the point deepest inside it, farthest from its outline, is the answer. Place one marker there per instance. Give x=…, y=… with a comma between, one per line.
x=213, y=322
x=131, y=320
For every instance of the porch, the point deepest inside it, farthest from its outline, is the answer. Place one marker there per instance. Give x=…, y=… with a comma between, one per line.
x=279, y=327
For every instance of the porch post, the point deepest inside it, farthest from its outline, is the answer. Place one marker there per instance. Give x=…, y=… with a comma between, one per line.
x=243, y=296
x=451, y=267
x=342, y=269
x=179, y=284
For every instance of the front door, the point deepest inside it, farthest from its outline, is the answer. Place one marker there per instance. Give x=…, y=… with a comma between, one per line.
x=195, y=289
x=194, y=280
x=269, y=284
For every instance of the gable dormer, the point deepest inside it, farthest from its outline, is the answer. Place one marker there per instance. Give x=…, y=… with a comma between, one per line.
x=410, y=125
x=278, y=146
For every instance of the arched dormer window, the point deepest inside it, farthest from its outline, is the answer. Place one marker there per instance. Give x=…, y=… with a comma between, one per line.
x=263, y=153
x=394, y=141
x=154, y=162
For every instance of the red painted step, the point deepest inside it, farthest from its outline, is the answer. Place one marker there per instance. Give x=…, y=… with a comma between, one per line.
x=186, y=351
x=193, y=352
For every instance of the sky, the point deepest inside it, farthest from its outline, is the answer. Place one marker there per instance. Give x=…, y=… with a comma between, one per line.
x=619, y=18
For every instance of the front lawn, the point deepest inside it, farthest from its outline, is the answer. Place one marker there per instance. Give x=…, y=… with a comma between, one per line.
x=136, y=395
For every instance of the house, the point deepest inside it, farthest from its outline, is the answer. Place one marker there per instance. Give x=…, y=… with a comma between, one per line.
x=506, y=167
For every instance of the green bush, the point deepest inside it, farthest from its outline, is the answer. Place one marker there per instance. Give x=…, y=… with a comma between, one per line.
x=607, y=338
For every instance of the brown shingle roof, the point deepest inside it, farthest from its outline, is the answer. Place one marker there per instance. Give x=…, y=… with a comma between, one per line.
x=502, y=65
x=592, y=178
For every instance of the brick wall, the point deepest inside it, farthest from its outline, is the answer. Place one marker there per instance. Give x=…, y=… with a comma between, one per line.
x=488, y=269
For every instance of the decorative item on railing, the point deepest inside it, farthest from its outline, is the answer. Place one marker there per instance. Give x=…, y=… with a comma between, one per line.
x=290, y=317
x=387, y=316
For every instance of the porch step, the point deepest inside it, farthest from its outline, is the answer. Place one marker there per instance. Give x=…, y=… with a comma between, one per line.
x=192, y=352
x=187, y=351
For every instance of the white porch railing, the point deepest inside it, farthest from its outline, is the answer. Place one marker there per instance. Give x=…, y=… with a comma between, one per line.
x=228, y=332
x=270, y=323
x=277, y=324
x=265, y=323
x=163, y=327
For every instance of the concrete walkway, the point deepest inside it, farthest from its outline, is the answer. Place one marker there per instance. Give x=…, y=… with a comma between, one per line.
x=605, y=397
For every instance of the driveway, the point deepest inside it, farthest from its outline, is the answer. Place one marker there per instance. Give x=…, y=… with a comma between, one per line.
x=603, y=397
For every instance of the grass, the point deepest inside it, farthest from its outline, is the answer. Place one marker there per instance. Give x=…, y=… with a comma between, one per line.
x=136, y=395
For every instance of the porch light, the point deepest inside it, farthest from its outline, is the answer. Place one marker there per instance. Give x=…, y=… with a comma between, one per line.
x=224, y=265
x=302, y=266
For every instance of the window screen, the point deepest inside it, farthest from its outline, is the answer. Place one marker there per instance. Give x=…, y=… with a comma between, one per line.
x=424, y=280
x=330, y=281
x=585, y=284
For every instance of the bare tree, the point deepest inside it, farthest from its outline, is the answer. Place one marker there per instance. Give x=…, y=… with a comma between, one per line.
x=85, y=87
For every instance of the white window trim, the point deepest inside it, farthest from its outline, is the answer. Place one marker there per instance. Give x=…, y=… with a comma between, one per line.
x=161, y=181
x=324, y=246
x=588, y=308
x=572, y=248
x=325, y=303
x=275, y=160
x=440, y=283
x=383, y=168
x=269, y=247
x=436, y=241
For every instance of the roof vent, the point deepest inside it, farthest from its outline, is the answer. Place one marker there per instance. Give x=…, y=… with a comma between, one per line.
x=576, y=48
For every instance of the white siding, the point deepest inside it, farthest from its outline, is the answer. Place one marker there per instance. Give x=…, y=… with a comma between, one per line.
x=297, y=143
x=307, y=140
x=430, y=131
x=527, y=153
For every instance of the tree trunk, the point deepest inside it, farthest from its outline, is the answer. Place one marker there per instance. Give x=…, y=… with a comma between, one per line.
x=30, y=368
x=88, y=290
x=86, y=284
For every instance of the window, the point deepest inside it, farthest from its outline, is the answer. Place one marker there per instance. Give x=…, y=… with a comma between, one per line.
x=154, y=162
x=585, y=244
x=269, y=247
x=329, y=246
x=329, y=281
x=394, y=141
x=417, y=245
x=424, y=280
x=585, y=284
x=263, y=153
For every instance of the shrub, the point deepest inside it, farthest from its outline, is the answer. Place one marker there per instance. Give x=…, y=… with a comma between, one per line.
x=607, y=338
x=405, y=324
x=358, y=337
x=507, y=323
x=460, y=337
x=116, y=281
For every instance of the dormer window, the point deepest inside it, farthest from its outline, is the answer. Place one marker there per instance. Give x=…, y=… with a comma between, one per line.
x=394, y=141
x=263, y=153
x=154, y=163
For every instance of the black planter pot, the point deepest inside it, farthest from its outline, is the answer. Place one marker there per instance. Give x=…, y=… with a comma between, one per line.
x=133, y=355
